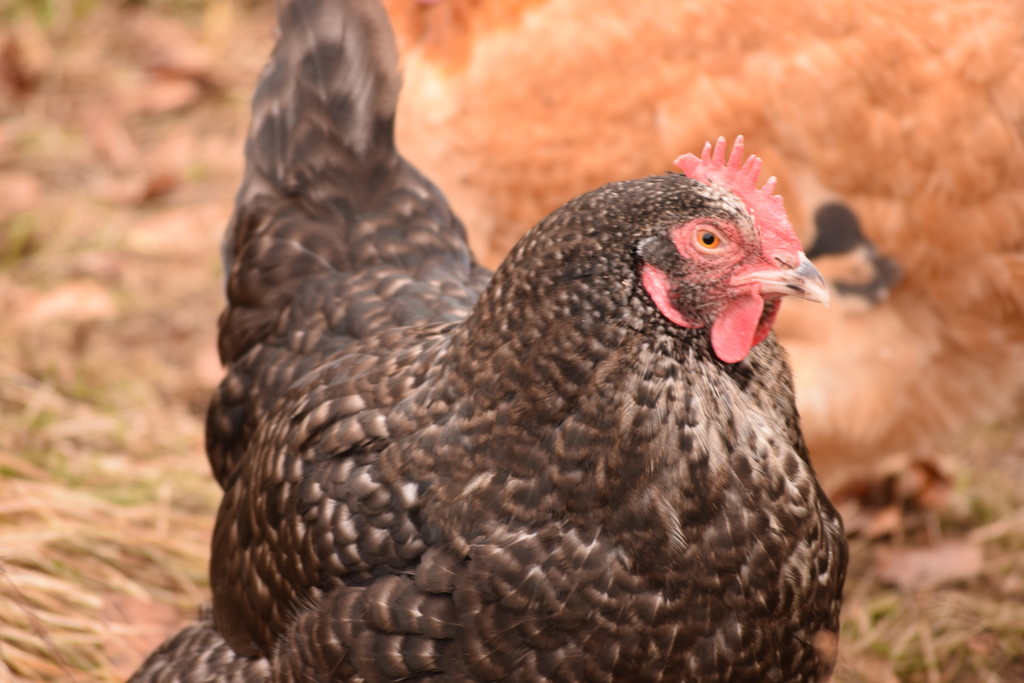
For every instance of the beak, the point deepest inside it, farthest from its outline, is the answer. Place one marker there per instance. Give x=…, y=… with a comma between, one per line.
x=803, y=281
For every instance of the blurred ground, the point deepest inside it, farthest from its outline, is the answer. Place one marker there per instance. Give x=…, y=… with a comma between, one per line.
x=121, y=127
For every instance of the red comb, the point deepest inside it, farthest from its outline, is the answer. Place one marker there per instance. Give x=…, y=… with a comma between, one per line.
x=712, y=166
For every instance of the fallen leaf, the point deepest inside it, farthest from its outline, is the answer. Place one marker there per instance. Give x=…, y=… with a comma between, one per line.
x=172, y=156
x=174, y=231
x=170, y=49
x=108, y=135
x=917, y=569
x=880, y=502
x=139, y=188
x=104, y=267
x=164, y=95
x=76, y=301
x=883, y=522
x=19, y=191
x=14, y=72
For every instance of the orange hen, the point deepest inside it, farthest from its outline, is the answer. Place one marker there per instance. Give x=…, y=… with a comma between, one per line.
x=911, y=115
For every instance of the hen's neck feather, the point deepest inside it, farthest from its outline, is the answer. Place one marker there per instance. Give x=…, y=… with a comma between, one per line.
x=585, y=405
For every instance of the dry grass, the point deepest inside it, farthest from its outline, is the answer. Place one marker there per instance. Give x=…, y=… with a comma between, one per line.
x=119, y=154
x=941, y=597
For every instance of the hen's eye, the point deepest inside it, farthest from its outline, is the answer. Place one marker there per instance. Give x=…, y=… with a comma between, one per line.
x=708, y=239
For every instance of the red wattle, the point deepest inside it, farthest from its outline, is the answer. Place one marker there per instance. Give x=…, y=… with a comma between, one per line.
x=660, y=290
x=734, y=331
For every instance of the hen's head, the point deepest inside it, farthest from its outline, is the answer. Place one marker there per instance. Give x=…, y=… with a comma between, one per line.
x=727, y=263
x=707, y=250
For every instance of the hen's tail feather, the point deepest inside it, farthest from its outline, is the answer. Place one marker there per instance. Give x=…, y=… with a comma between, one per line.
x=334, y=236
x=325, y=192
x=324, y=104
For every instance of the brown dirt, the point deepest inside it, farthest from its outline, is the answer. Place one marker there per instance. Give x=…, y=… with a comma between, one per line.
x=121, y=130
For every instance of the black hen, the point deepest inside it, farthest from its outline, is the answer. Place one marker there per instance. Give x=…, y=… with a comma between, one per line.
x=590, y=468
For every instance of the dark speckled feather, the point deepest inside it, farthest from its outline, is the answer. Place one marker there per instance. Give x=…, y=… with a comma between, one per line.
x=543, y=479
x=334, y=236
